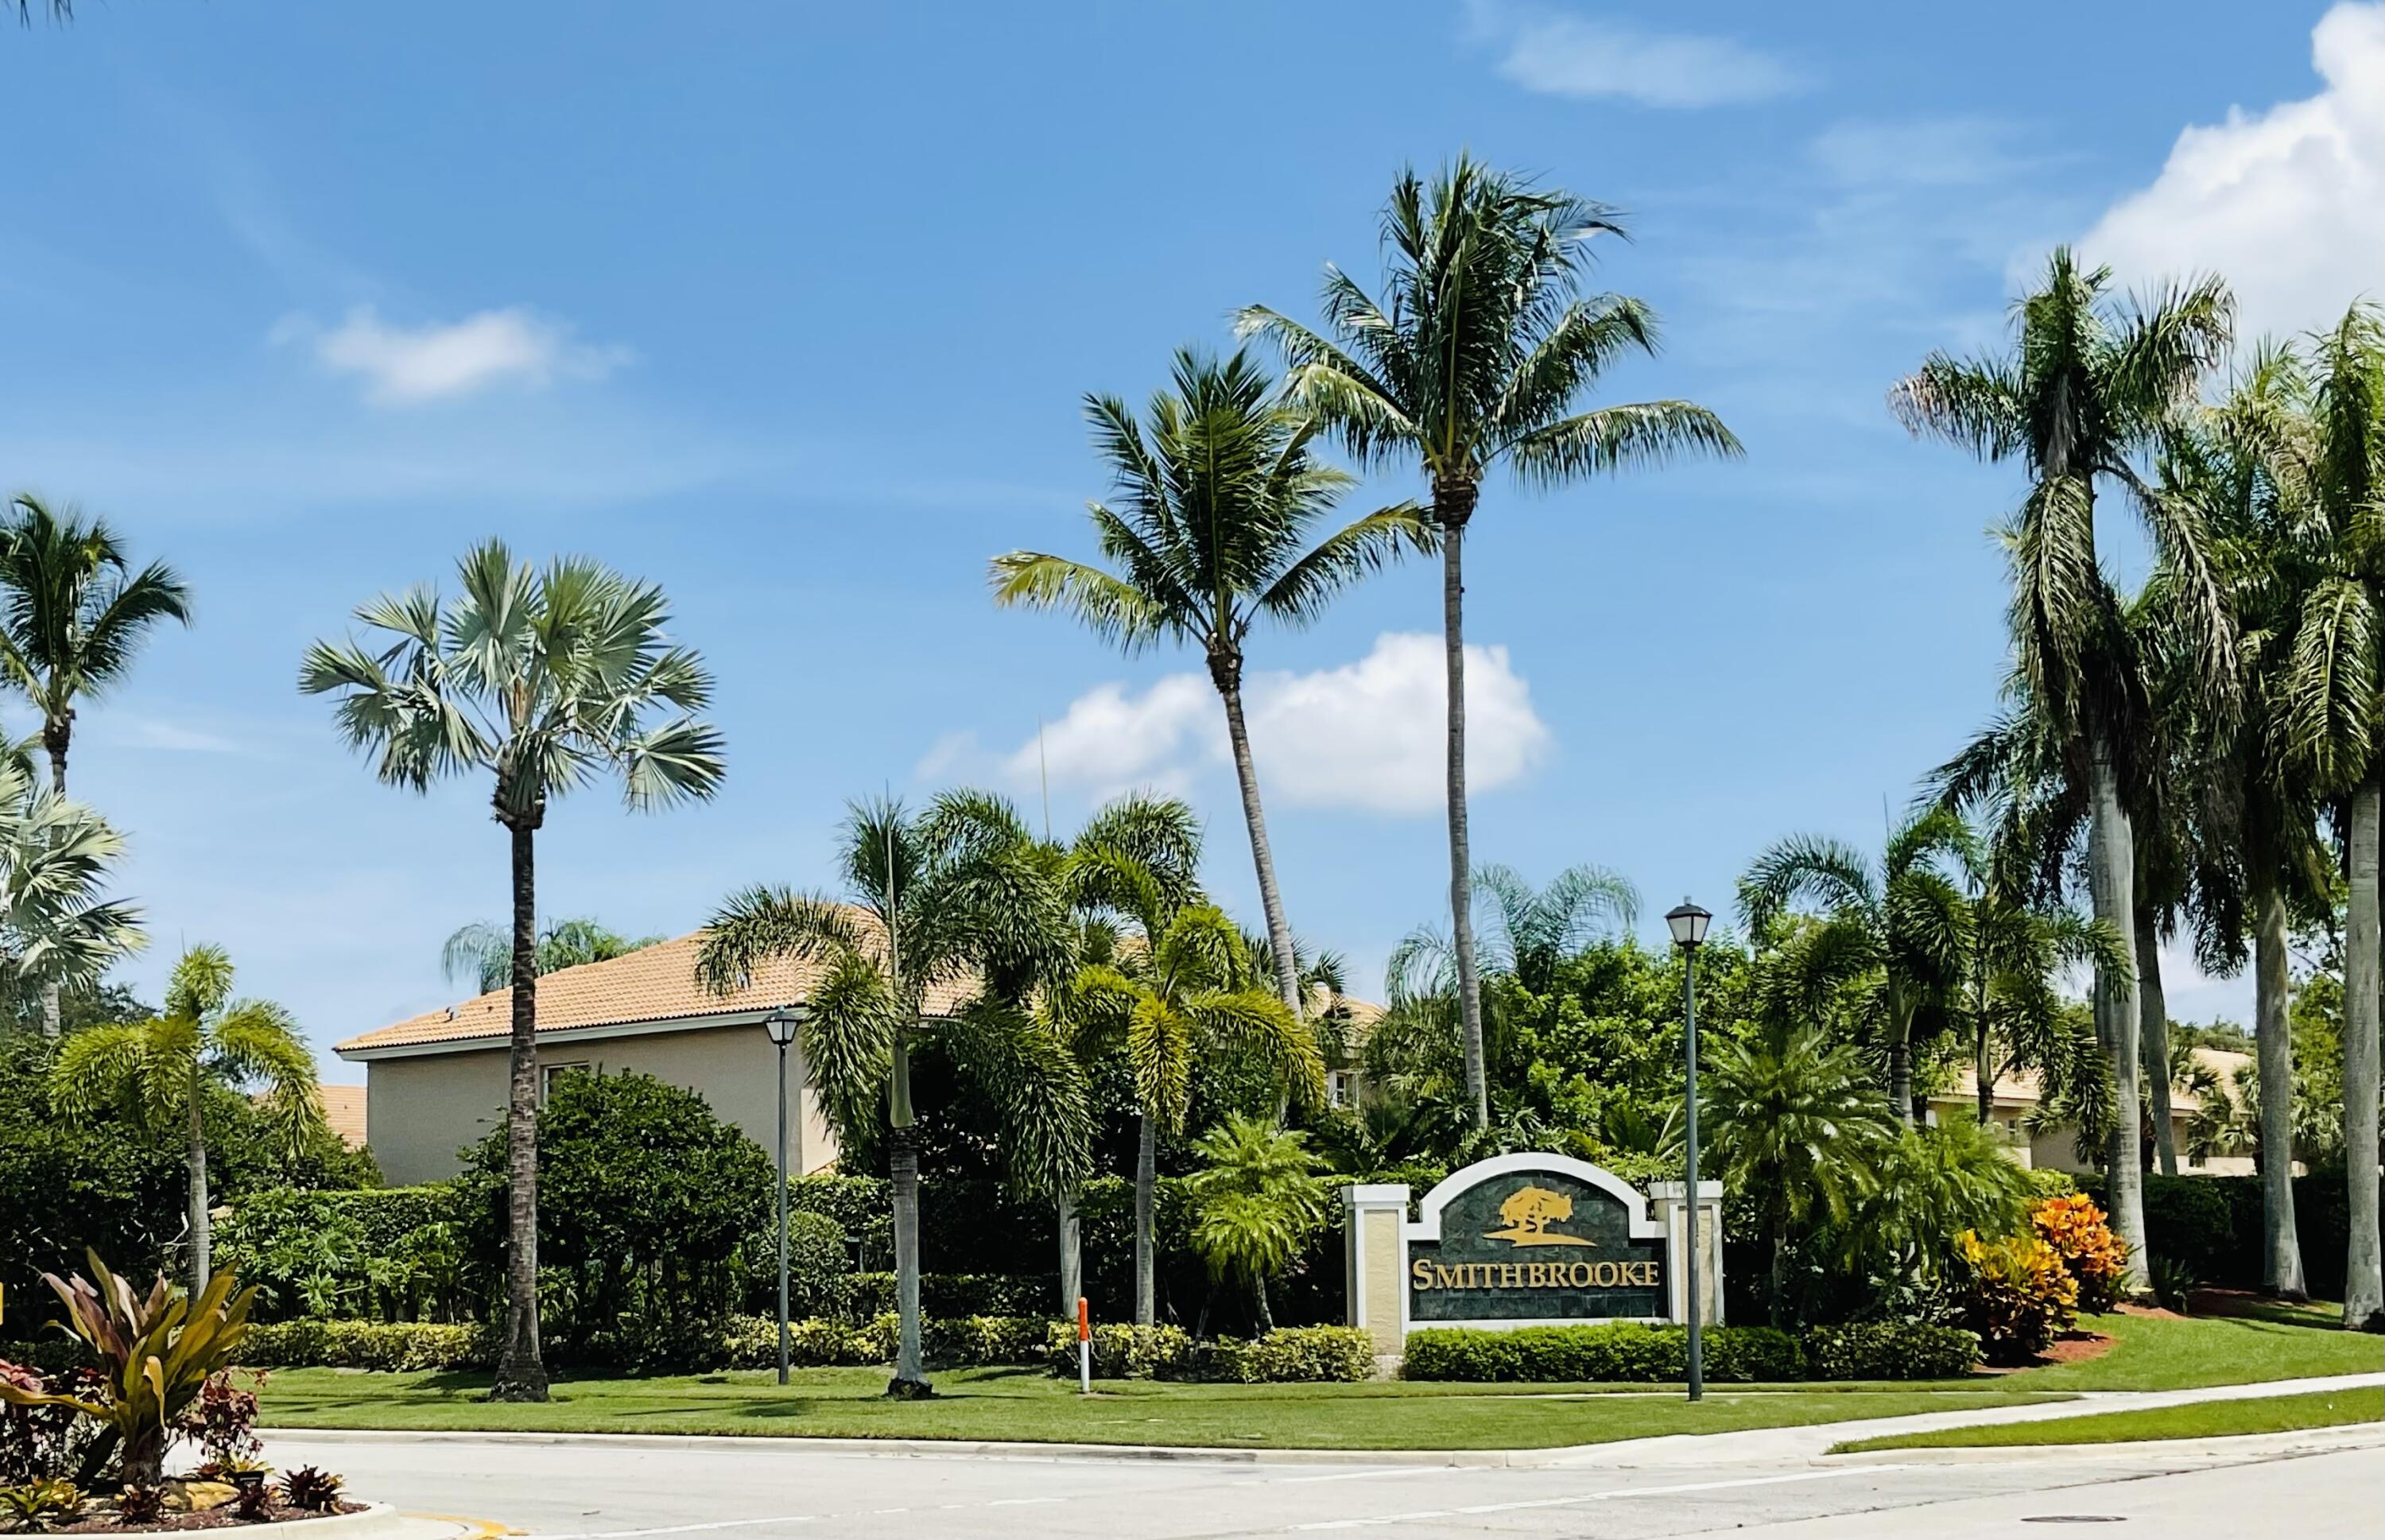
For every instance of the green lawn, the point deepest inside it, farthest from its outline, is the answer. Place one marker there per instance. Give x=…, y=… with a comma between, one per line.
x=2266, y=1414
x=2151, y=1353
x=1030, y=1405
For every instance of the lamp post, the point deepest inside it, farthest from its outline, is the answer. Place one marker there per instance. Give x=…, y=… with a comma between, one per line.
x=1688, y=924
x=781, y=1024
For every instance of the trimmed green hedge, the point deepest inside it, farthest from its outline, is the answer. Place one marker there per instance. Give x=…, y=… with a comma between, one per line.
x=306, y=1344
x=1287, y=1355
x=865, y=1295
x=1643, y=1354
x=741, y=1342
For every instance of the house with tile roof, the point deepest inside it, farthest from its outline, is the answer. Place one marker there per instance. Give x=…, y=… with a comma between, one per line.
x=2015, y=1096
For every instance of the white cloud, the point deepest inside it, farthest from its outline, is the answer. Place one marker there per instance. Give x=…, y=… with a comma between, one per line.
x=405, y=365
x=1562, y=55
x=2289, y=204
x=1368, y=734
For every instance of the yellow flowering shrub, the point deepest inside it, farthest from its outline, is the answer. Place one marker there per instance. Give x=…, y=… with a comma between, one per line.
x=2079, y=1234
x=2015, y=1293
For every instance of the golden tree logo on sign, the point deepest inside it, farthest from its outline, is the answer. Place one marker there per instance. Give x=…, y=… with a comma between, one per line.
x=1528, y=1212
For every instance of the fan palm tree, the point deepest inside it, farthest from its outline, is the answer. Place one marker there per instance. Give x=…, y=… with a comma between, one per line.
x=1795, y=1120
x=56, y=860
x=1180, y=987
x=1255, y=1203
x=542, y=679
x=2088, y=386
x=2333, y=728
x=1906, y=926
x=953, y=900
x=484, y=952
x=1218, y=498
x=160, y=1073
x=1477, y=355
x=73, y=615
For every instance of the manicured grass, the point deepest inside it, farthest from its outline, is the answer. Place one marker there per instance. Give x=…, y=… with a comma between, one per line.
x=2265, y=1414
x=1033, y=1407
x=2153, y=1353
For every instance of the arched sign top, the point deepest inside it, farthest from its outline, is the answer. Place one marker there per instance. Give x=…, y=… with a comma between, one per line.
x=1427, y=1223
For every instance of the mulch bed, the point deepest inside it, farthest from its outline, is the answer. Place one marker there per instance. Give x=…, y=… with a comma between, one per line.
x=224, y=1516
x=2069, y=1348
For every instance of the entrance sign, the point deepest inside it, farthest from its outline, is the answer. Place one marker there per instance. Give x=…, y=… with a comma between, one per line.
x=1527, y=1239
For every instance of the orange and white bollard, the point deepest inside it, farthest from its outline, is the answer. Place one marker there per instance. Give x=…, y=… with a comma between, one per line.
x=1084, y=1347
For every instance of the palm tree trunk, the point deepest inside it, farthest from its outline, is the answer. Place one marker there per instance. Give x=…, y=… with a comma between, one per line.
x=1452, y=506
x=1984, y=1058
x=1072, y=1265
x=2364, y=1276
x=1287, y=969
x=1899, y=1071
x=201, y=1235
x=1776, y=1284
x=1146, y=1185
x=2153, y=1037
x=521, y=1369
x=2281, y=1258
x=1266, y=1316
x=910, y=1380
x=2111, y=872
x=54, y=738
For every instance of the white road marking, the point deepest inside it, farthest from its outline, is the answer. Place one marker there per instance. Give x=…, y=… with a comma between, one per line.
x=1607, y=1495
x=1022, y=1502
x=1371, y=1473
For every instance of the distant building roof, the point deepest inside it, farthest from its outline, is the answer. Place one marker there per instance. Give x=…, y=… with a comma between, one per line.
x=344, y=1110
x=2023, y=1089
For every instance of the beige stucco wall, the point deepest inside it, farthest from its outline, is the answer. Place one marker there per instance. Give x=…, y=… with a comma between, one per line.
x=421, y=1110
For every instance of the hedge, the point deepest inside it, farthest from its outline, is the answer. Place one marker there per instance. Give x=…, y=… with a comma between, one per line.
x=306, y=1344
x=2211, y=1226
x=1645, y=1354
x=865, y=1295
x=741, y=1342
x=1287, y=1355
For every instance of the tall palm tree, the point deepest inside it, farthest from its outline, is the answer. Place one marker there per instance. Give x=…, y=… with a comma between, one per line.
x=160, y=1073
x=73, y=615
x=1180, y=988
x=542, y=679
x=953, y=902
x=2332, y=726
x=2088, y=386
x=1218, y=500
x=56, y=860
x=1477, y=356
x=1906, y=925
x=484, y=952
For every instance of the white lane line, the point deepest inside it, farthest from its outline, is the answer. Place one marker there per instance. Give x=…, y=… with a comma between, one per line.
x=1607, y=1495
x=1022, y=1502
x=1385, y=1519
x=685, y=1529
x=1749, y=1481
x=1371, y=1473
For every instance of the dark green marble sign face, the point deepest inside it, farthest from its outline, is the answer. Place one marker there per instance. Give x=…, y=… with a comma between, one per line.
x=1535, y=1246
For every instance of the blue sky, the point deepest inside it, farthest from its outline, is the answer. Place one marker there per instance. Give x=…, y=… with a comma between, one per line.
x=790, y=309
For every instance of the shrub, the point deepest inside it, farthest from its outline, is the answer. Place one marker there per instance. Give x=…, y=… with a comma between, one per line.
x=1888, y=1350
x=1624, y=1351
x=370, y=1344
x=1293, y=1354
x=2016, y=1294
x=46, y=1438
x=1123, y=1352
x=865, y=1296
x=2091, y=1253
x=222, y=1419
x=819, y=1264
x=316, y=1490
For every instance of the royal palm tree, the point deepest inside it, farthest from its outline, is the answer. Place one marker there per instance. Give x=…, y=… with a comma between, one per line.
x=160, y=1073
x=73, y=615
x=1477, y=355
x=2088, y=386
x=1179, y=988
x=2333, y=728
x=1906, y=926
x=956, y=902
x=1255, y=1202
x=56, y=860
x=1795, y=1120
x=542, y=679
x=1219, y=497
x=484, y=952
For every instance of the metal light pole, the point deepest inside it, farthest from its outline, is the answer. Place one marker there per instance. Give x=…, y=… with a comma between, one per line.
x=1688, y=923
x=781, y=1024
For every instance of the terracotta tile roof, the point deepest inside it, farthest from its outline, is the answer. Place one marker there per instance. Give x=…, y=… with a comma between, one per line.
x=2024, y=1087
x=343, y=1109
x=655, y=984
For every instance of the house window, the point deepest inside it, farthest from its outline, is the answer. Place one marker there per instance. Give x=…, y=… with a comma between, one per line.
x=549, y=1073
x=1341, y=1088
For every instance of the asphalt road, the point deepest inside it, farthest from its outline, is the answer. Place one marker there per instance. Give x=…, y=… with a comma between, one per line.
x=2311, y=1487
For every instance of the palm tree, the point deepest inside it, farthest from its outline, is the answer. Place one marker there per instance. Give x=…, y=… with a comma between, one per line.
x=541, y=680
x=1218, y=500
x=1906, y=926
x=2088, y=387
x=1477, y=355
x=56, y=857
x=72, y=616
x=1179, y=988
x=160, y=1073
x=1796, y=1122
x=2016, y=1016
x=955, y=902
x=484, y=952
x=2333, y=728
x=1254, y=1203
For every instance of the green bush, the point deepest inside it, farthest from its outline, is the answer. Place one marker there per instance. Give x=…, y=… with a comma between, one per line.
x=864, y=1295
x=819, y=1265
x=1123, y=1352
x=1888, y=1350
x=1293, y=1355
x=1624, y=1351
x=368, y=1344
